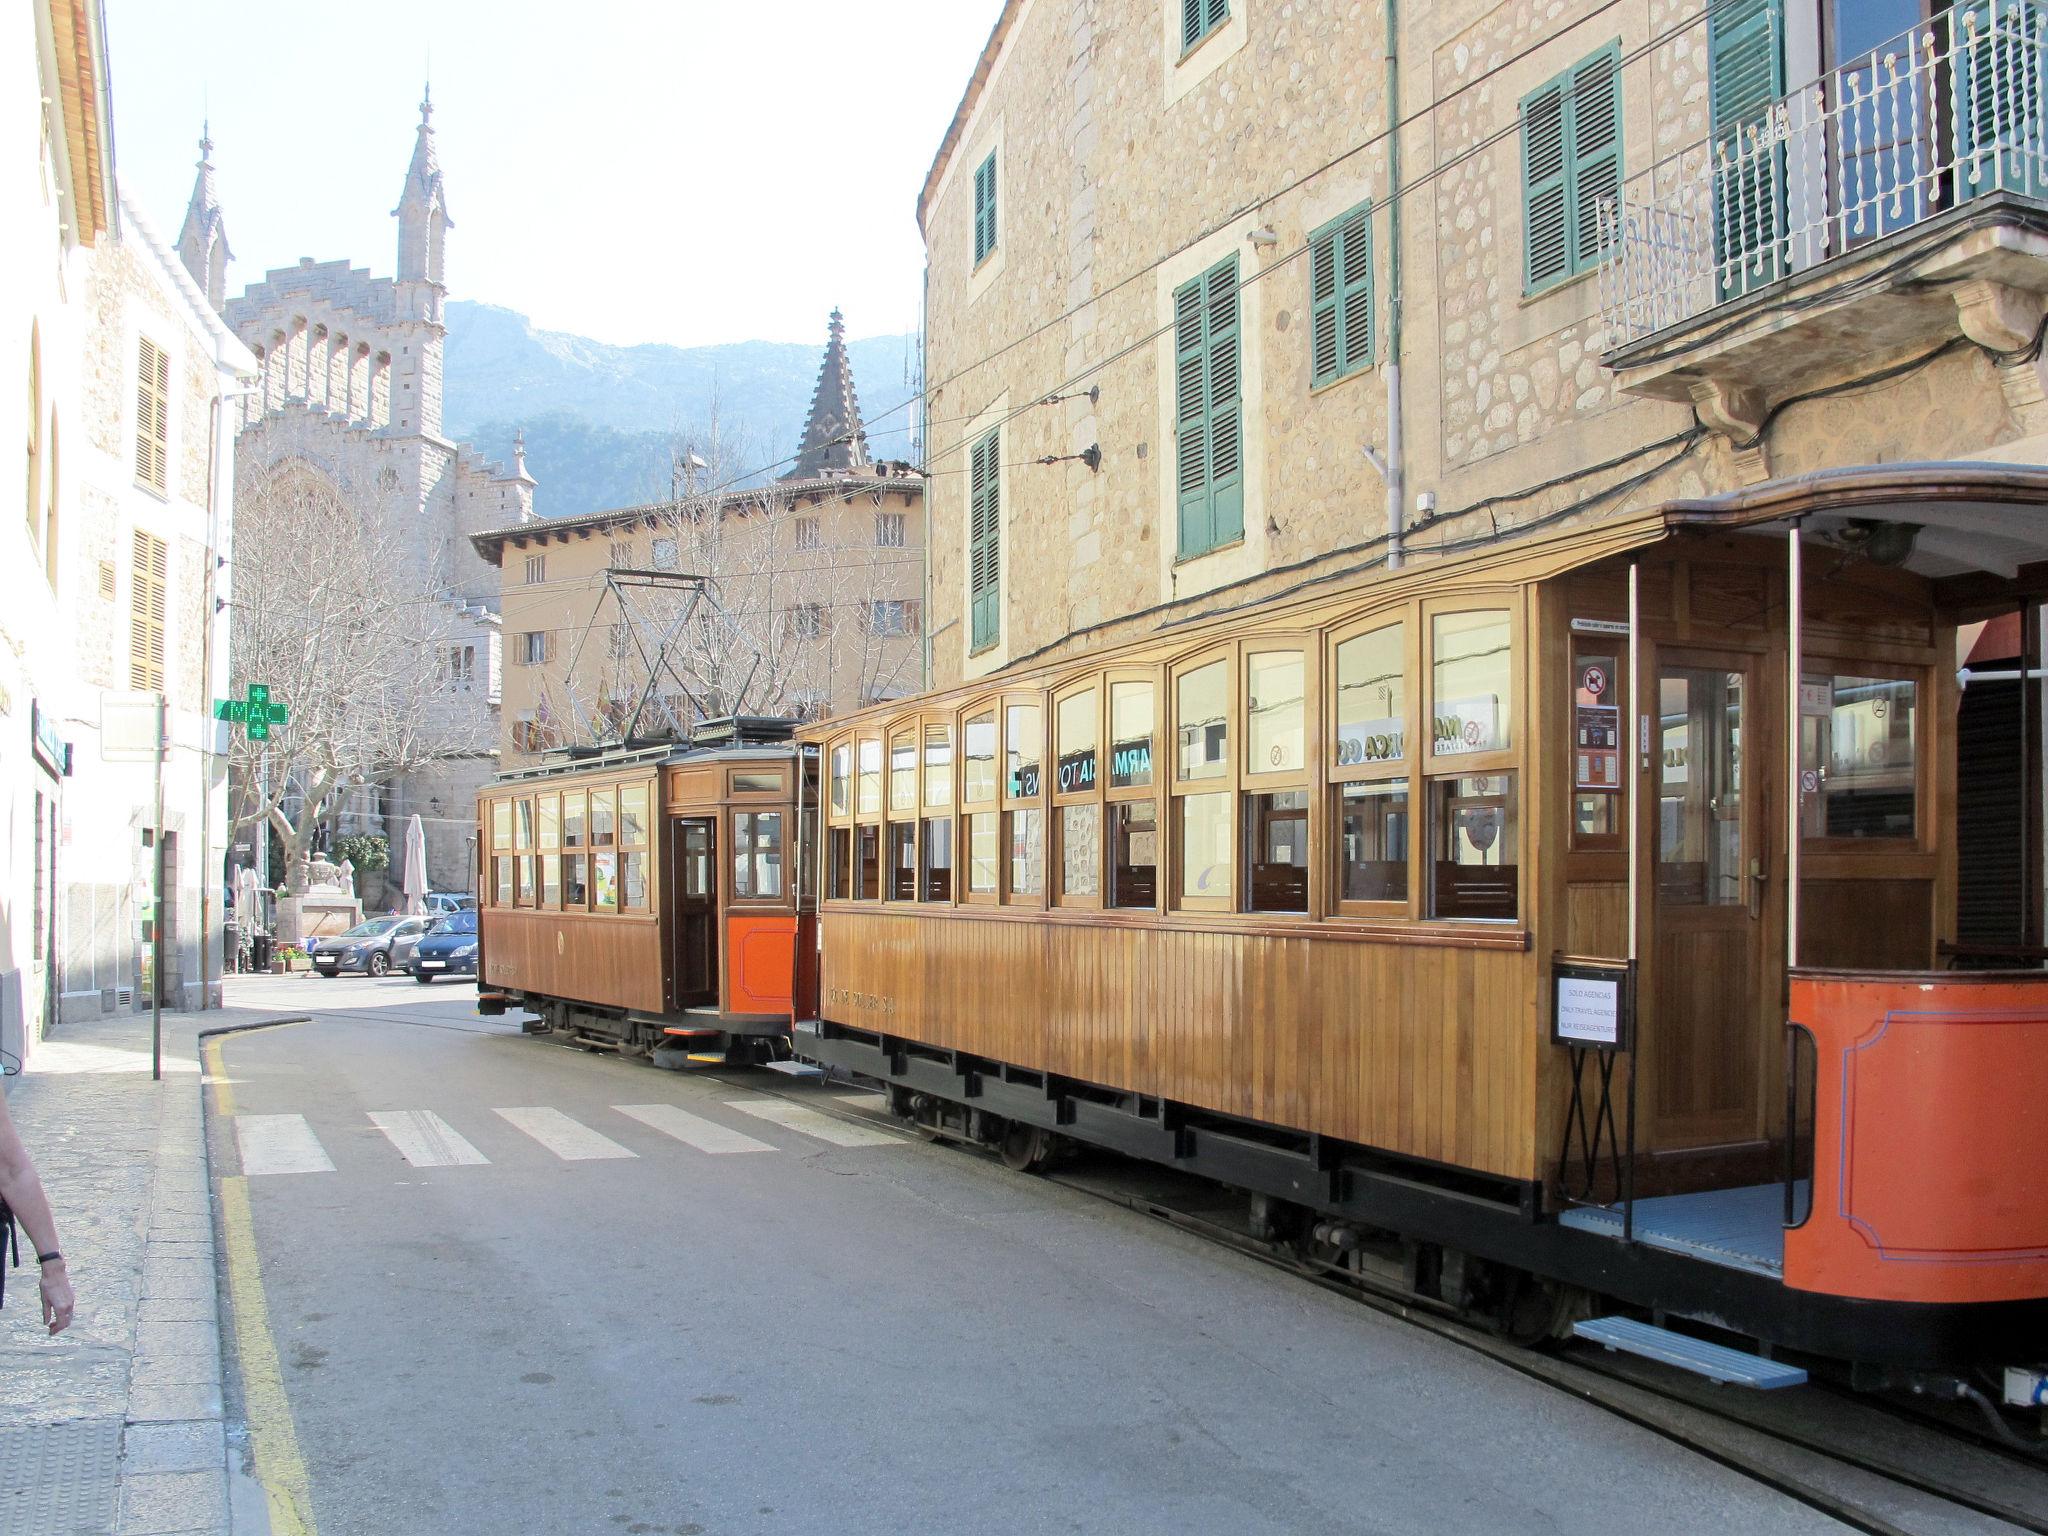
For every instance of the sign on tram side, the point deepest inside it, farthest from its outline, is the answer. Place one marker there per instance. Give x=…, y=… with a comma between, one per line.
x=1592, y=1003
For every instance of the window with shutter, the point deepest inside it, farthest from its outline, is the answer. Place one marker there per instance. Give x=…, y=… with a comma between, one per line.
x=2000, y=102
x=1745, y=78
x=1198, y=18
x=147, y=605
x=985, y=209
x=1340, y=296
x=1208, y=411
x=152, y=416
x=1571, y=162
x=984, y=540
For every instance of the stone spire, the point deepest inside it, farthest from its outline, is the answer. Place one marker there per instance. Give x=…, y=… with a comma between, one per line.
x=834, y=441
x=203, y=242
x=422, y=210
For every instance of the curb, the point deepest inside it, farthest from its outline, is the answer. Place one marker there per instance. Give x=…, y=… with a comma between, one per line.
x=244, y=1028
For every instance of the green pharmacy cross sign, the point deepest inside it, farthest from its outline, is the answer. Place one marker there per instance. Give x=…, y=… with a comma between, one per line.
x=256, y=713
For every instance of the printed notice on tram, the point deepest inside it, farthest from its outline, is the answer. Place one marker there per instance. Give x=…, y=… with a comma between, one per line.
x=1589, y=1011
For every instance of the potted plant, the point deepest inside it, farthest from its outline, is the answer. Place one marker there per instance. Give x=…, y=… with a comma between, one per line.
x=288, y=957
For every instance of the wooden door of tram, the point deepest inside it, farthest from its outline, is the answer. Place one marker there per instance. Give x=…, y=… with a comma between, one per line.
x=695, y=894
x=1701, y=1043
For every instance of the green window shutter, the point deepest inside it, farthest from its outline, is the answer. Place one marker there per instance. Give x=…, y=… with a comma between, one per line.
x=1998, y=95
x=1571, y=160
x=1745, y=77
x=1191, y=417
x=1226, y=406
x=1546, y=193
x=1595, y=150
x=1326, y=346
x=984, y=538
x=1198, y=18
x=985, y=209
x=1340, y=296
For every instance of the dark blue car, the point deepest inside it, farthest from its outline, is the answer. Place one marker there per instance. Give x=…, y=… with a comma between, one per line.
x=449, y=949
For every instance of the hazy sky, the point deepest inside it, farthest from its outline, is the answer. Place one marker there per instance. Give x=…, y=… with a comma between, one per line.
x=686, y=171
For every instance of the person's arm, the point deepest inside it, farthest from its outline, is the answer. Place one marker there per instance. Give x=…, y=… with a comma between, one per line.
x=23, y=1192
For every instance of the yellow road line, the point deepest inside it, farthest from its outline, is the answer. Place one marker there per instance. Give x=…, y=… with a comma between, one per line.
x=279, y=1466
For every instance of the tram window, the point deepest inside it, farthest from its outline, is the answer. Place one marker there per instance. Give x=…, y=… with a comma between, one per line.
x=938, y=858
x=1275, y=713
x=573, y=806
x=502, y=880
x=1024, y=741
x=1080, y=850
x=1372, y=842
x=1131, y=721
x=938, y=765
x=757, y=783
x=1472, y=672
x=868, y=787
x=1276, y=852
x=1857, y=741
x=981, y=852
x=633, y=816
x=551, y=879
x=980, y=783
x=522, y=867
x=604, y=880
x=1074, y=771
x=523, y=831
x=603, y=822
x=902, y=861
x=1205, y=847
x=1372, y=698
x=757, y=855
x=1134, y=854
x=903, y=772
x=548, y=822
x=807, y=845
x=1475, y=871
x=1202, y=711
x=869, y=838
x=839, y=864
x=501, y=824
x=633, y=880
x=575, y=894
x=1027, y=852
x=842, y=768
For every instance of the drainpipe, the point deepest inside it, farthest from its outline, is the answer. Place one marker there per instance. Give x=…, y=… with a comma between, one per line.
x=1397, y=457
x=924, y=454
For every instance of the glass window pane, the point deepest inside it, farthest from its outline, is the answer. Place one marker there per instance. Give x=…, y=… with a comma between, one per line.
x=1699, y=788
x=548, y=818
x=1024, y=741
x=1473, y=668
x=1276, y=852
x=757, y=783
x=868, y=800
x=1134, y=854
x=572, y=819
x=633, y=816
x=522, y=872
x=902, y=861
x=839, y=864
x=501, y=824
x=981, y=852
x=503, y=874
x=903, y=774
x=523, y=829
x=1372, y=842
x=605, y=880
x=980, y=782
x=938, y=765
x=603, y=824
x=869, y=865
x=938, y=859
x=1473, y=855
x=633, y=865
x=1080, y=850
x=1077, y=732
x=842, y=769
x=1857, y=746
x=1275, y=711
x=1131, y=721
x=1202, y=709
x=1205, y=846
x=1027, y=852
x=575, y=894
x=742, y=854
x=551, y=879
x=1372, y=697
x=768, y=855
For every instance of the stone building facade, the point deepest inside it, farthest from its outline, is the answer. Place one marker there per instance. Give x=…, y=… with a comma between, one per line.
x=351, y=389
x=812, y=603
x=1441, y=302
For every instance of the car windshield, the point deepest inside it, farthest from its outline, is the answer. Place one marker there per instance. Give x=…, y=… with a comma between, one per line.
x=456, y=922
x=372, y=928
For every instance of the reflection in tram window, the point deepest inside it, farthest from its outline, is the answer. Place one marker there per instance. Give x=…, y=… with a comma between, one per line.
x=1205, y=847
x=551, y=880
x=632, y=816
x=633, y=880
x=1276, y=713
x=603, y=829
x=1699, y=788
x=1475, y=873
x=1470, y=699
x=839, y=863
x=1372, y=698
x=868, y=783
x=868, y=869
x=903, y=772
x=902, y=861
x=938, y=859
x=575, y=893
x=842, y=769
x=572, y=819
x=1080, y=850
x=981, y=850
x=1857, y=752
x=1027, y=852
x=604, y=880
x=1276, y=852
x=1024, y=741
x=1372, y=843
x=757, y=855
x=1202, y=720
x=938, y=765
x=1130, y=736
x=1134, y=849
x=980, y=756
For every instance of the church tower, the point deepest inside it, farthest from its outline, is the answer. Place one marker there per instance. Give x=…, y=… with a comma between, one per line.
x=834, y=441
x=423, y=226
x=203, y=242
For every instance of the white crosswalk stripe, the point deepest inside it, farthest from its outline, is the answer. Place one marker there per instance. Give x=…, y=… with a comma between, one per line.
x=279, y=1144
x=810, y=1122
x=693, y=1130
x=867, y=1099
x=570, y=1140
x=425, y=1140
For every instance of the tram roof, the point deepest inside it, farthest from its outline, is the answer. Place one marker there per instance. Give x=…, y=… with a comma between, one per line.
x=739, y=748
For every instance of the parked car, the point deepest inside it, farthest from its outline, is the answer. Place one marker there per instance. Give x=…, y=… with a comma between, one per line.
x=440, y=903
x=368, y=947
x=448, y=949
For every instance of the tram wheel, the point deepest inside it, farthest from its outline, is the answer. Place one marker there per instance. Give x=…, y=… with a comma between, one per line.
x=1024, y=1148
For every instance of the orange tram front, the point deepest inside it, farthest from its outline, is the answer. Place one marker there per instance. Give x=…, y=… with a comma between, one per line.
x=1574, y=930
x=639, y=898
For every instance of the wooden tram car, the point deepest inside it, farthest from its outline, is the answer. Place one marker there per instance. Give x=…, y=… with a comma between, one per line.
x=1284, y=894
x=640, y=898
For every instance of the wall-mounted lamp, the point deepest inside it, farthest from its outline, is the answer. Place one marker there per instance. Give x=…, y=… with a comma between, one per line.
x=1263, y=236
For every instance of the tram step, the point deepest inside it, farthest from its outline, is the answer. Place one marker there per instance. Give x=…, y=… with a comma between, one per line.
x=794, y=1068
x=1716, y=1362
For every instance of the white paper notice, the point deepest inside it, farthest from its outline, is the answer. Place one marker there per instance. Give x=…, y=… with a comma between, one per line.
x=1588, y=1012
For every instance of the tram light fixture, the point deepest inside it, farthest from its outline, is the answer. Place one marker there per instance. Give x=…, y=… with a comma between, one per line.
x=1877, y=540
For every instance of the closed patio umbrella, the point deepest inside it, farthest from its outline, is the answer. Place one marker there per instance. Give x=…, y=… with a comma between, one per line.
x=415, y=881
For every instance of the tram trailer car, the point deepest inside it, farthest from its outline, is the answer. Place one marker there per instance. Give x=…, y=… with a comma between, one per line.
x=639, y=899
x=1444, y=911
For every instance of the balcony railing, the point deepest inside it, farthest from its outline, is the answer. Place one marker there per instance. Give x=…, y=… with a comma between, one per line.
x=1953, y=110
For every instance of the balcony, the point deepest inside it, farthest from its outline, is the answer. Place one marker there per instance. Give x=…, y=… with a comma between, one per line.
x=1886, y=208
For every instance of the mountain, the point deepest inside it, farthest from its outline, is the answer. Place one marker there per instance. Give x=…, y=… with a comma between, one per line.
x=600, y=420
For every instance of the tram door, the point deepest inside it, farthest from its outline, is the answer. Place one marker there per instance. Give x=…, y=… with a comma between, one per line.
x=696, y=910
x=1700, y=1041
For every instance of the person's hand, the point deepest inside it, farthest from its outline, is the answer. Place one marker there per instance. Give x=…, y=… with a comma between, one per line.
x=57, y=1298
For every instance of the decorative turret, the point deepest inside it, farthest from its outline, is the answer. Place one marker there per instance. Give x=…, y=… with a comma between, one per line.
x=422, y=212
x=203, y=242
x=834, y=441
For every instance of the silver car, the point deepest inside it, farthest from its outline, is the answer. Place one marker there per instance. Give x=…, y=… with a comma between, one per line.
x=376, y=948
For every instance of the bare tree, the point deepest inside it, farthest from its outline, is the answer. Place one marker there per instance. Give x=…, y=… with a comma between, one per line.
x=342, y=613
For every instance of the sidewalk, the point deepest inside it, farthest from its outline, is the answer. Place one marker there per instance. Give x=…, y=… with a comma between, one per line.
x=116, y=1424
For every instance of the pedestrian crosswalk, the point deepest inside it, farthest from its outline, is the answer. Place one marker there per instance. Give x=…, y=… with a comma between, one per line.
x=287, y=1143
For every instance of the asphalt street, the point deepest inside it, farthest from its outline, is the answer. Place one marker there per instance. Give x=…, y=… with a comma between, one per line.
x=517, y=1287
